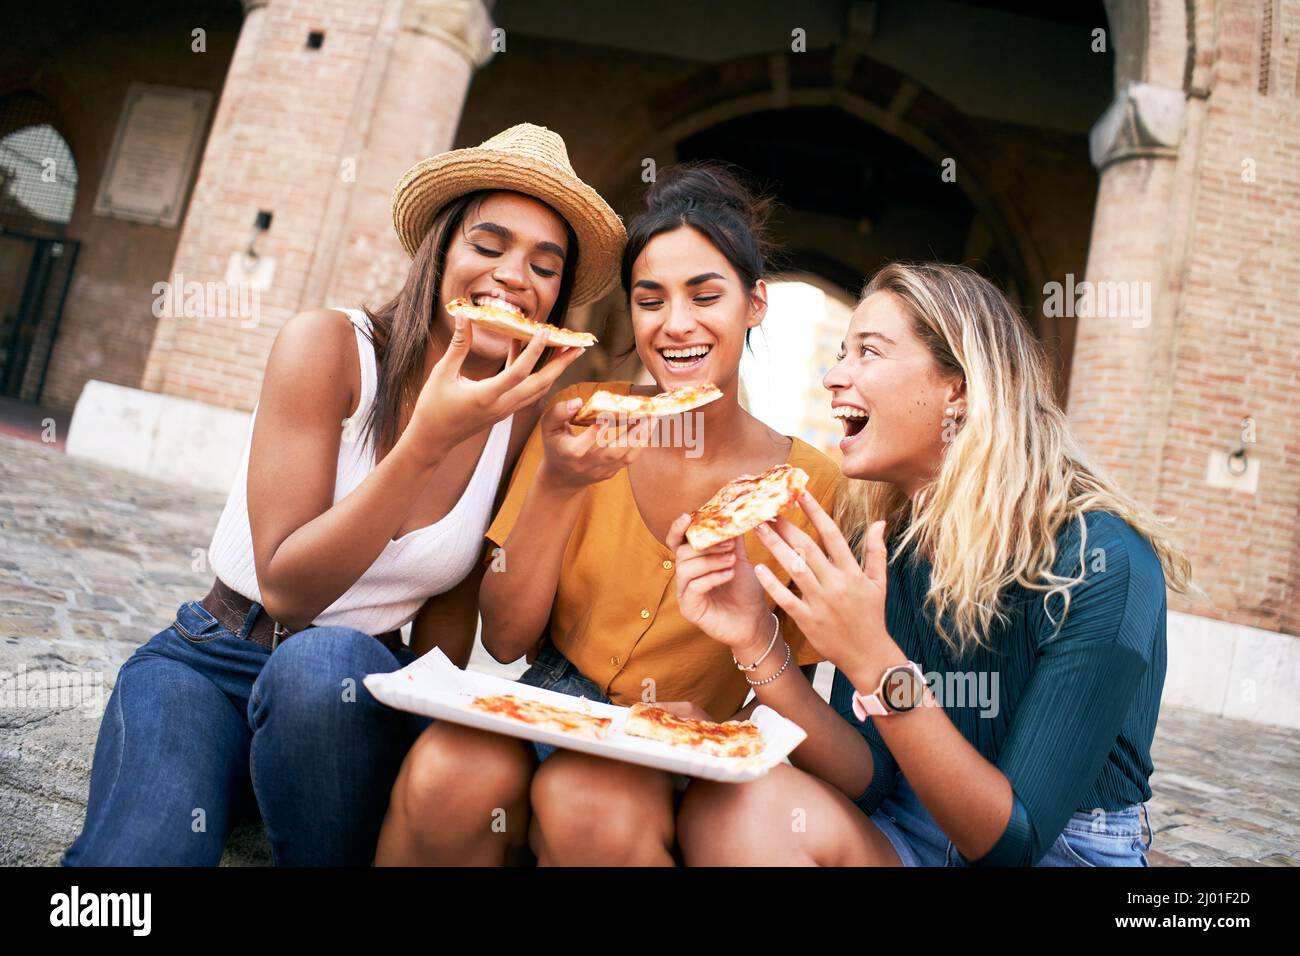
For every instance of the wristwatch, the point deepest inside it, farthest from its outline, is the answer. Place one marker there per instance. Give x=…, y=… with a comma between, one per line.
x=901, y=689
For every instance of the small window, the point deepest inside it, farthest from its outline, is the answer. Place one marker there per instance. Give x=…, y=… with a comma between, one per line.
x=38, y=177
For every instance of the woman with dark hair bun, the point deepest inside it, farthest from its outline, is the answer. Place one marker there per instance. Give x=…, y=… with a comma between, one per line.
x=591, y=534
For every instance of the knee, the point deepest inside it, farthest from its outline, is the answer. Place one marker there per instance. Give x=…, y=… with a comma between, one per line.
x=322, y=666
x=716, y=818
x=582, y=803
x=332, y=650
x=461, y=773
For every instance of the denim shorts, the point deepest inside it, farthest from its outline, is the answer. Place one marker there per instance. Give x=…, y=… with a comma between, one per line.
x=1089, y=839
x=551, y=670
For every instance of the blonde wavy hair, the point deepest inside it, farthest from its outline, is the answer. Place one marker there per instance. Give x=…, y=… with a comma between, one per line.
x=1011, y=477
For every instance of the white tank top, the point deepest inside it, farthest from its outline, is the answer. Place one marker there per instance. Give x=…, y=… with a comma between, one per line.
x=419, y=564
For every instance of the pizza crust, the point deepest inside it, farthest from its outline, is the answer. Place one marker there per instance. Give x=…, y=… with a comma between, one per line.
x=518, y=326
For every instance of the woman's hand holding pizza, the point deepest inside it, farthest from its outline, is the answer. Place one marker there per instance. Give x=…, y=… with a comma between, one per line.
x=452, y=407
x=573, y=461
x=718, y=592
x=841, y=605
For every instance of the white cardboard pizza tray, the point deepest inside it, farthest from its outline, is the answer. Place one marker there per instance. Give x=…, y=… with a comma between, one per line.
x=435, y=687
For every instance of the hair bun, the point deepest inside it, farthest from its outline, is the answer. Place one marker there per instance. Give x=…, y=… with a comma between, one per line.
x=712, y=183
x=711, y=198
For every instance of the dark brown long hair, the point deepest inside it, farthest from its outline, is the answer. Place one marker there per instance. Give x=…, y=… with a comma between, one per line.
x=403, y=329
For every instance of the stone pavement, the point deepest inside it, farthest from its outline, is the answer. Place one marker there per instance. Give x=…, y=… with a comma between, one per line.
x=94, y=561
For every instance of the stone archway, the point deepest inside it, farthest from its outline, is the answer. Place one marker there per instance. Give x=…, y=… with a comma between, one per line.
x=895, y=108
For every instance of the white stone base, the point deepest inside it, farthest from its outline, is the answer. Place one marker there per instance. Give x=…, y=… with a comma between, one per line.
x=171, y=439
x=1232, y=670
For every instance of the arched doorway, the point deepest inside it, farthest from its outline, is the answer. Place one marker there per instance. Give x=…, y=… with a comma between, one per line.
x=890, y=135
x=38, y=190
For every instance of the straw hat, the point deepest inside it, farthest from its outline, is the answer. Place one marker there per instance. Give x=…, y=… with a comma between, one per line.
x=527, y=159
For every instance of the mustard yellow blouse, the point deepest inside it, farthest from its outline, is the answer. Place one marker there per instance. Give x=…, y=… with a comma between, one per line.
x=615, y=615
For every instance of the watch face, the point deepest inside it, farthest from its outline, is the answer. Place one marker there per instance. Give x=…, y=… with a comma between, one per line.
x=903, y=689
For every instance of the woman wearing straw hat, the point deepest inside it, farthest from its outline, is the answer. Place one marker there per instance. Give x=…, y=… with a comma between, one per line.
x=371, y=472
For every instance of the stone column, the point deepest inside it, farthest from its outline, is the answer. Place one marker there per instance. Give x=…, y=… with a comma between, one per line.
x=208, y=190
x=1122, y=367
x=436, y=49
x=1120, y=371
x=316, y=135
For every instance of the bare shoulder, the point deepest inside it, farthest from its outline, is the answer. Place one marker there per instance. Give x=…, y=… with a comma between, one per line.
x=320, y=333
x=319, y=347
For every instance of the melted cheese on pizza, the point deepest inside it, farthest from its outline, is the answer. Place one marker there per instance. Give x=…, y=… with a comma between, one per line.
x=734, y=738
x=542, y=715
x=744, y=503
x=508, y=321
x=684, y=398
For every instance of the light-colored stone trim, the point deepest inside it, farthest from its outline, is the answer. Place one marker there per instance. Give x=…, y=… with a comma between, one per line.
x=1232, y=670
x=464, y=25
x=171, y=439
x=1143, y=120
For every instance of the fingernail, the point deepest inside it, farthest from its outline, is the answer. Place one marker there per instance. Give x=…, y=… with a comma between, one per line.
x=573, y=404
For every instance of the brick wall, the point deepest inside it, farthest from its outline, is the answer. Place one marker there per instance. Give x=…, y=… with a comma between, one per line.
x=1238, y=350
x=277, y=142
x=1152, y=403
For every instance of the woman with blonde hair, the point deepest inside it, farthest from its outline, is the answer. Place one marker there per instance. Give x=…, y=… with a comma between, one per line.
x=999, y=666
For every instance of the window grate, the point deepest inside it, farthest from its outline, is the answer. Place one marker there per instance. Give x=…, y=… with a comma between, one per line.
x=38, y=176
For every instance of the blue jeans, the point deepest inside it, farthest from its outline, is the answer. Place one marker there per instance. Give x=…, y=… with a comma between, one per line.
x=1101, y=839
x=551, y=670
x=203, y=725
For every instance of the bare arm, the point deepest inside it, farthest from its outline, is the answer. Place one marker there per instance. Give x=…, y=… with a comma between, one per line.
x=833, y=750
x=717, y=590
x=516, y=601
x=449, y=620
x=307, y=549
x=809, y=672
x=305, y=396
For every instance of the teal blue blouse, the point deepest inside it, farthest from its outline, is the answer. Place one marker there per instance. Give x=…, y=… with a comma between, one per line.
x=1066, y=713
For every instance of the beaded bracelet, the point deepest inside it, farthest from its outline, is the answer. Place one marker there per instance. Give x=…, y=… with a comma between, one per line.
x=770, y=644
x=768, y=680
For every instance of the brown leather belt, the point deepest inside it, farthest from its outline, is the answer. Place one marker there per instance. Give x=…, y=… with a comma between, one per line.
x=231, y=608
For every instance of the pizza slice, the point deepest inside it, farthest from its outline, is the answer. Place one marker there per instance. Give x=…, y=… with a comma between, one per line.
x=501, y=316
x=744, y=503
x=543, y=716
x=601, y=402
x=684, y=398
x=734, y=738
